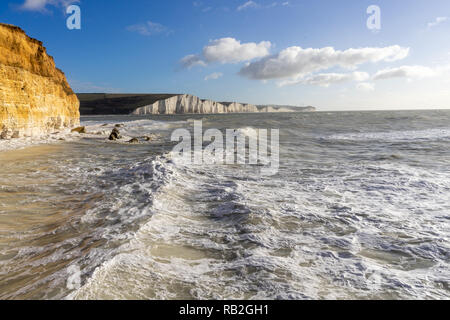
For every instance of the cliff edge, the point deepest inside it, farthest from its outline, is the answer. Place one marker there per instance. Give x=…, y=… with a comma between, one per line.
x=35, y=97
x=143, y=104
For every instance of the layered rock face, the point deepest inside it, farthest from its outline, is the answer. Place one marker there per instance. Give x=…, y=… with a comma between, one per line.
x=35, y=97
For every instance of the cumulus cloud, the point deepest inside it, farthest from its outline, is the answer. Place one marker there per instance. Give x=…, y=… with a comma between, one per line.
x=410, y=72
x=437, y=22
x=149, y=29
x=247, y=5
x=295, y=62
x=228, y=50
x=326, y=79
x=214, y=76
x=365, y=86
x=41, y=5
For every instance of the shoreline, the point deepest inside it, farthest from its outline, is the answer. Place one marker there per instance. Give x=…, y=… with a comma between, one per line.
x=94, y=133
x=66, y=135
x=47, y=139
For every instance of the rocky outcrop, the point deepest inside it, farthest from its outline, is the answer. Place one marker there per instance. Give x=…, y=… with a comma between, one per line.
x=115, y=134
x=35, y=97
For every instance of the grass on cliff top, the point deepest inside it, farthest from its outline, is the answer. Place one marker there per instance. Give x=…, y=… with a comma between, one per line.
x=106, y=103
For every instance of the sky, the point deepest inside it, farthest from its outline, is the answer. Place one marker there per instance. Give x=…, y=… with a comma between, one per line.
x=334, y=55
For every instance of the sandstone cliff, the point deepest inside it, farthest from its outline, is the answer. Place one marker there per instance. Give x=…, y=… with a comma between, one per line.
x=142, y=104
x=35, y=97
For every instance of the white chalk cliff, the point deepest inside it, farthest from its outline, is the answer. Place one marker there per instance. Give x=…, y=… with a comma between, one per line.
x=185, y=104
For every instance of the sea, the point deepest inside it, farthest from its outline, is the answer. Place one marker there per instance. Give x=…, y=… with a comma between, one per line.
x=359, y=208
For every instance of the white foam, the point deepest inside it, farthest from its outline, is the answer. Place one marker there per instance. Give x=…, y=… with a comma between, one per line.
x=24, y=142
x=404, y=135
x=324, y=228
x=219, y=234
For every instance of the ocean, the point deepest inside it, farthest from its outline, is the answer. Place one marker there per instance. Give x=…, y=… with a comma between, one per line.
x=359, y=209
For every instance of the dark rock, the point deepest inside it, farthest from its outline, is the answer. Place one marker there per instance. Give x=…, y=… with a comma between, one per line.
x=115, y=135
x=79, y=130
x=4, y=135
x=134, y=140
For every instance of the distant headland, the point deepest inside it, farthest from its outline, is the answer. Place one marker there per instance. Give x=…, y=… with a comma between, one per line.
x=142, y=104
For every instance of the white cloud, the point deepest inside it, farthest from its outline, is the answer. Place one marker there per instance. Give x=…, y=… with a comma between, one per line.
x=410, y=72
x=365, y=86
x=437, y=22
x=214, y=76
x=296, y=62
x=200, y=6
x=40, y=5
x=247, y=5
x=34, y=5
x=254, y=5
x=326, y=79
x=149, y=29
x=192, y=60
x=228, y=50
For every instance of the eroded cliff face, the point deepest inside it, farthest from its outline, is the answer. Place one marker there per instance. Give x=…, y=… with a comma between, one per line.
x=35, y=97
x=185, y=103
x=157, y=103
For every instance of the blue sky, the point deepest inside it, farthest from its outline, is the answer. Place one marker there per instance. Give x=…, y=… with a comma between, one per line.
x=293, y=52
